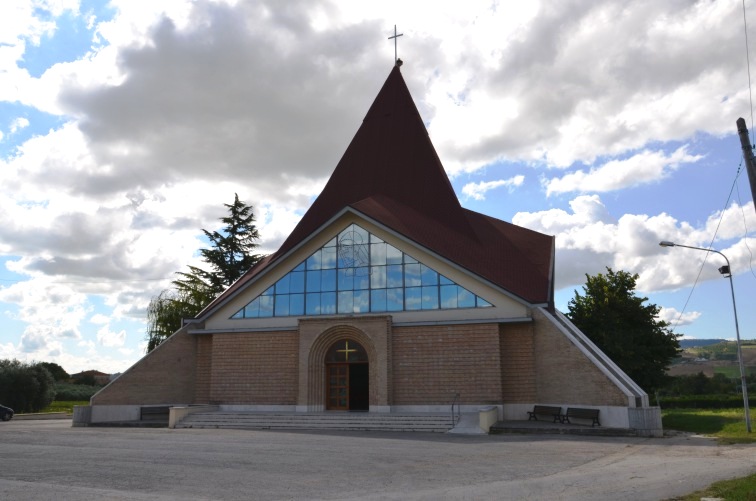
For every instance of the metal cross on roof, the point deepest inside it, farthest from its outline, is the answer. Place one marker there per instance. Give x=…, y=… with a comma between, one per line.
x=395, y=37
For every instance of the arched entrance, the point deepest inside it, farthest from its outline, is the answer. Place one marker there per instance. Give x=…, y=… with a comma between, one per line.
x=347, y=377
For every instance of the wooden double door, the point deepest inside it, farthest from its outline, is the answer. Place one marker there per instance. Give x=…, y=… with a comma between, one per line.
x=347, y=377
x=348, y=387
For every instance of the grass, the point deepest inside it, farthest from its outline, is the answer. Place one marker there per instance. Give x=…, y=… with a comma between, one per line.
x=64, y=406
x=737, y=489
x=733, y=372
x=726, y=425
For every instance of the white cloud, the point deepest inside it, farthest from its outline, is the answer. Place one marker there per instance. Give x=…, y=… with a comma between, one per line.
x=478, y=190
x=100, y=319
x=677, y=319
x=110, y=339
x=18, y=124
x=645, y=167
x=589, y=239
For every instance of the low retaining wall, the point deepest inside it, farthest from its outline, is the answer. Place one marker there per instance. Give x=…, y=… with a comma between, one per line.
x=42, y=415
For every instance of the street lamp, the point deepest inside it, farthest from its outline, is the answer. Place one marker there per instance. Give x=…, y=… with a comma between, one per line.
x=726, y=271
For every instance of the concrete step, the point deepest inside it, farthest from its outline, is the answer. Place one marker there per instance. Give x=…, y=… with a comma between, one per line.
x=319, y=421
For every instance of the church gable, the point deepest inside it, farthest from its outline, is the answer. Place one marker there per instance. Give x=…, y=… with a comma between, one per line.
x=358, y=272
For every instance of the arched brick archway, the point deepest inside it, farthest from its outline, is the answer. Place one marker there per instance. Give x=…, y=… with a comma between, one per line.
x=317, y=336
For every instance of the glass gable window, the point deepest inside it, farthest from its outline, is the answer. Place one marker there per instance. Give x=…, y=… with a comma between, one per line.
x=357, y=272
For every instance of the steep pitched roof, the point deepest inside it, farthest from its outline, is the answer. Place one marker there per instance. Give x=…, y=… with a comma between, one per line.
x=390, y=155
x=391, y=173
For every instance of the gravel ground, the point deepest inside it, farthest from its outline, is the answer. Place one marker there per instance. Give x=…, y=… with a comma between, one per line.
x=52, y=460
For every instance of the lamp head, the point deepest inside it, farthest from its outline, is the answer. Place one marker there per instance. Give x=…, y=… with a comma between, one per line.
x=666, y=243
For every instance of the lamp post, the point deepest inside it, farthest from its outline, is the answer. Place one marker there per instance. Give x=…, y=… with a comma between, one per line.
x=725, y=270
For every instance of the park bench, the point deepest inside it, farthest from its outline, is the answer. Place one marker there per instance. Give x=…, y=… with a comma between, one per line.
x=578, y=413
x=154, y=413
x=545, y=410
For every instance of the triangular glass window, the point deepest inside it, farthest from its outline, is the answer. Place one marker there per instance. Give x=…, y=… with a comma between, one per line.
x=357, y=272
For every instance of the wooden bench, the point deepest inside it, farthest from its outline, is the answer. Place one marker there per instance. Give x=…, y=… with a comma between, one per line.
x=578, y=413
x=545, y=410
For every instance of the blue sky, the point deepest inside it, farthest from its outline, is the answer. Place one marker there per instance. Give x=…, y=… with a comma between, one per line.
x=125, y=126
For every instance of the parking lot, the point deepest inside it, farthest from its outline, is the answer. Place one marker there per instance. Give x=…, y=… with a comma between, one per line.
x=52, y=460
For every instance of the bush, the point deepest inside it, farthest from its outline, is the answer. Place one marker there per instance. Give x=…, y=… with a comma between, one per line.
x=67, y=391
x=25, y=387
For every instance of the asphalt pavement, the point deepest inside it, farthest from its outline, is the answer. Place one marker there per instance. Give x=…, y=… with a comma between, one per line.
x=52, y=460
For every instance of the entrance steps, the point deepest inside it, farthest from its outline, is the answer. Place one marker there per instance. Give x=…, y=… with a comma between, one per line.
x=343, y=421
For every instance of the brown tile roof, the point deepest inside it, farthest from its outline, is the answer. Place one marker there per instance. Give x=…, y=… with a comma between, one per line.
x=514, y=258
x=391, y=173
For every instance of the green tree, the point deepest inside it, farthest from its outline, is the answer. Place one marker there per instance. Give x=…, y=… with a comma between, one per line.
x=25, y=387
x=167, y=310
x=231, y=253
x=230, y=256
x=625, y=328
x=58, y=373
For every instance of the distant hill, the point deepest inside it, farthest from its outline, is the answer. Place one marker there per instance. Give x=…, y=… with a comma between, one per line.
x=691, y=343
x=713, y=355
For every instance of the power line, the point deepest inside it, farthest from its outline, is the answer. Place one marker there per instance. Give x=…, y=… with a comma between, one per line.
x=713, y=238
x=748, y=65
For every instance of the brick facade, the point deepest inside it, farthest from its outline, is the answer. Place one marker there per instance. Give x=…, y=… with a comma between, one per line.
x=204, y=365
x=167, y=375
x=255, y=367
x=518, y=370
x=431, y=364
x=487, y=363
x=565, y=374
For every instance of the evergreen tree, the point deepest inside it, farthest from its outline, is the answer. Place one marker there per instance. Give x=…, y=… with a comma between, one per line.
x=626, y=329
x=230, y=256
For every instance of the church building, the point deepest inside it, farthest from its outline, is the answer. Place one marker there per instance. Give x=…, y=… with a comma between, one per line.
x=388, y=297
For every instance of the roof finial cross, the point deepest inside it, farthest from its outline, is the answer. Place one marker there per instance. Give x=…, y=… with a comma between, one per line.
x=395, y=37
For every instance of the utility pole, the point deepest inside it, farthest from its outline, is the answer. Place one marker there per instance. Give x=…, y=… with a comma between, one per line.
x=750, y=162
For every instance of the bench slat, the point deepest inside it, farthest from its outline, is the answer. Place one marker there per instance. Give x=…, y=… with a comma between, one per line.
x=545, y=410
x=579, y=413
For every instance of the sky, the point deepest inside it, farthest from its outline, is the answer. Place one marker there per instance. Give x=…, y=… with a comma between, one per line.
x=125, y=126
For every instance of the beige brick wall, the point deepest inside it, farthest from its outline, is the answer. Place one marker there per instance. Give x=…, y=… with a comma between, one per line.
x=164, y=376
x=565, y=374
x=432, y=363
x=255, y=368
x=518, y=373
x=204, y=366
